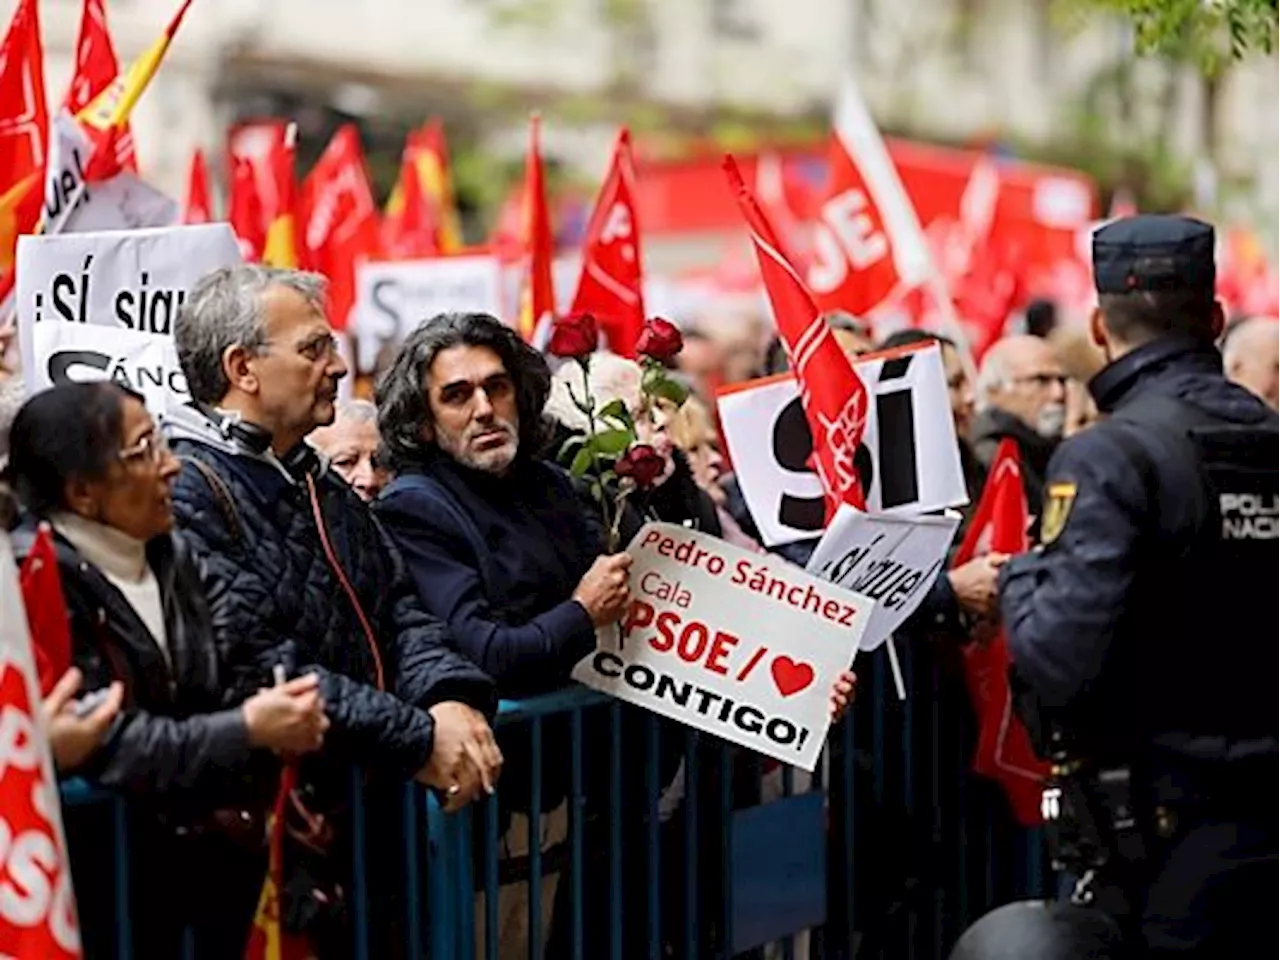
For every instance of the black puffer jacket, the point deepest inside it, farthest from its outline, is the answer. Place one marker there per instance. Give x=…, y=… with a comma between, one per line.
x=174, y=738
x=276, y=599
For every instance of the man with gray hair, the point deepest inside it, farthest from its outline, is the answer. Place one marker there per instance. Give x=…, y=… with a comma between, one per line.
x=1022, y=394
x=1251, y=357
x=299, y=574
x=351, y=444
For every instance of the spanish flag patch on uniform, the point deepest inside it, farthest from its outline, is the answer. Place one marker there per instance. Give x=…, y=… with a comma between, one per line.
x=1058, y=499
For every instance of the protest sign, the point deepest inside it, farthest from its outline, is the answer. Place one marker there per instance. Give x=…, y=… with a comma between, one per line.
x=908, y=461
x=114, y=293
x=73, y=204
x=893, y=561
x=37, y=903
x=741, y=645
x=394, y=296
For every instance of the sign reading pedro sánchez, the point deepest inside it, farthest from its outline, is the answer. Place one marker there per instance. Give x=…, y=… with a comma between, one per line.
x=741, y=645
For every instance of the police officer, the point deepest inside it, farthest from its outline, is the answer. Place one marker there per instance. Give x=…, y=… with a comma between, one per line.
x=1143, y=628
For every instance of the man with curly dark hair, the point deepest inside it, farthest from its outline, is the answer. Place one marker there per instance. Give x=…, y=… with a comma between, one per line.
x=497, y=539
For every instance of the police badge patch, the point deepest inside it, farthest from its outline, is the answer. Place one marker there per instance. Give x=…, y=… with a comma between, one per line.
x=1058, y=499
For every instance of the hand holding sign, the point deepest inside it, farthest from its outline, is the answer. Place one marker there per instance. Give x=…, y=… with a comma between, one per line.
x=745, y=646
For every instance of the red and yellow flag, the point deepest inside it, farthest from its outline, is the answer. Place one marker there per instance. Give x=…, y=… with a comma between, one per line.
x=431, y=158
x=411, y=229
x=537, y=295
x=281, y=247
x=268, y=940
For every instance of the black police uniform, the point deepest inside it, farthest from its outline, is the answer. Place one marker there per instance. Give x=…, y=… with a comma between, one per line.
x=1145, y=625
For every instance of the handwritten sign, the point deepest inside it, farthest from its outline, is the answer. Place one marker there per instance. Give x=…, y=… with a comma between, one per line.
x=741, y=645
x=892, y=561
x=116, y=295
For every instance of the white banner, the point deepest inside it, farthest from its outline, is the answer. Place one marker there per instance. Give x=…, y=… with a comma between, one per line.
x=71, y=353
x=909, y=451
x=119, y=291
x=741, y=645
x=892, y=561
x=394, y=296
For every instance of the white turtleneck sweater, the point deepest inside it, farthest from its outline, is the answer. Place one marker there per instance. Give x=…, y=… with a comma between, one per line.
x=122, y=559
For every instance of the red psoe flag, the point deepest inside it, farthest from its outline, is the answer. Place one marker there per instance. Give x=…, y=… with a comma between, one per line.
x=47, y=616
x=867, y=242
x=96, y=68
x=1004, y=751
x=832, y=393
x=610, y=286
x=245, y=210
x=537, y=295
x=38, y=915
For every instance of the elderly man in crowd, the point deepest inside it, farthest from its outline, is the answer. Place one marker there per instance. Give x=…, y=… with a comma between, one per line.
x=1251, y=357
x=1022, y=393
x=351, y=444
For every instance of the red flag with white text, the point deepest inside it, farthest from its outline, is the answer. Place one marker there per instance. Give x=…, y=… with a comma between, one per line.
x=1004, y=751
x=832, y=393
x=867, y=241
x=37, y=902
x=339, y=220
x=610, y=286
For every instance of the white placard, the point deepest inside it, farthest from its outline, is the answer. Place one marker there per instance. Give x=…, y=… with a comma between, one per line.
x=394, y=296
x=741, y=645
x=112, y=284
x=71, y=353
x=908, y=448
x=893, y=561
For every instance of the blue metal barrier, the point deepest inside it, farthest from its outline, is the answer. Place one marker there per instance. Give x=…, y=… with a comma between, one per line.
x=891, y=852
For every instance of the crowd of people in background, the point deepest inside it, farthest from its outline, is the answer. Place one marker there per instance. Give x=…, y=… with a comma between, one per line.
x=273, y=572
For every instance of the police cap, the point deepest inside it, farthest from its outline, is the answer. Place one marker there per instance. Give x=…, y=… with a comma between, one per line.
x=1153, y=252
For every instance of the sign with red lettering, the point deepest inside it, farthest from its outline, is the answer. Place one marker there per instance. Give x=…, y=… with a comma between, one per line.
x=37, y=904
x=741, y=645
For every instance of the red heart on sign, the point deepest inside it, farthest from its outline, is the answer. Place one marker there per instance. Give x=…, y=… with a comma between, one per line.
x=790, y=677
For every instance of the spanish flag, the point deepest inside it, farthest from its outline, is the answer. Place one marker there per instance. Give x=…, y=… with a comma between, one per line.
x=281, y=248
x=268, y=940
x=431, y=158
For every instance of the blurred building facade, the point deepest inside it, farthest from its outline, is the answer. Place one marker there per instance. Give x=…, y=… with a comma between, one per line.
x=951, y=69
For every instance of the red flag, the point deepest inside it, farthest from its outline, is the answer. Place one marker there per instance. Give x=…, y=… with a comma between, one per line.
x=1004, y=750
x=868, y=244
x=832, y=393
x=24, y=134
x=96, y=68
x=409, y=227
x=339, y=220
x=38, y=917
x=47, y=615
x=268, y=940
x=198, y=207
x=245, y=210
x=537, y=297
x=610, y=285
x=280, y=245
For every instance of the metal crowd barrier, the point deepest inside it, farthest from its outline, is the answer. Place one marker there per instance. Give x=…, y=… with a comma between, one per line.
x=891, y=851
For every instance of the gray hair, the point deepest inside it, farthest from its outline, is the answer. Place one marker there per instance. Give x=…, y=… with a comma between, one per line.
x=358, y=411
x=224, y=310
x=992, y=376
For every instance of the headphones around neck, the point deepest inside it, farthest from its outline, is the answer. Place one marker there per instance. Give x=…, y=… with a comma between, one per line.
x=300, y=462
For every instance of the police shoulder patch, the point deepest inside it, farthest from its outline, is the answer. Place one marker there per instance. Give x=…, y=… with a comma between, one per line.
x=1058, y=499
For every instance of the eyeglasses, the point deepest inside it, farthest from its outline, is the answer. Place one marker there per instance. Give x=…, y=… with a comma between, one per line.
x=152, y=447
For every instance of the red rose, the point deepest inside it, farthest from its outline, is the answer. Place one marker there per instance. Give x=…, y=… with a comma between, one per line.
x=660, y=339
x=574, y=336
x=643, y=464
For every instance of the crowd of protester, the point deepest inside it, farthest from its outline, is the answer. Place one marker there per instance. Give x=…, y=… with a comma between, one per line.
x=276, y=575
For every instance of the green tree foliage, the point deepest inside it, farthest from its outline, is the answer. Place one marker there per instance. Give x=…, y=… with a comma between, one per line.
x=1209, y=32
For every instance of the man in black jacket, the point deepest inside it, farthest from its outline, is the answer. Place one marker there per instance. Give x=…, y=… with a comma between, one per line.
x=298, y=572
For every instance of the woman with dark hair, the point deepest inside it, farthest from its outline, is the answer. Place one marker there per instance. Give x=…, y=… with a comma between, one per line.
x=88, y=460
